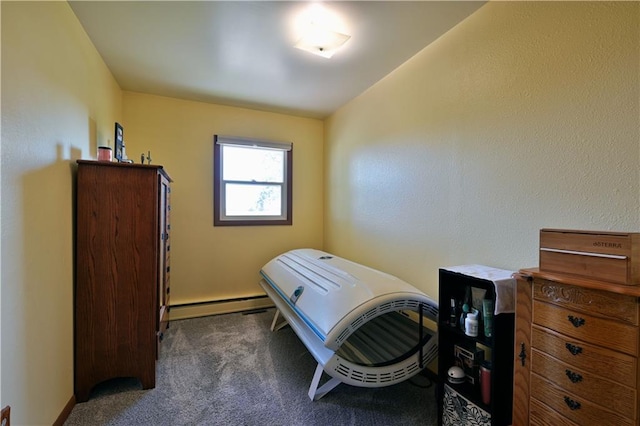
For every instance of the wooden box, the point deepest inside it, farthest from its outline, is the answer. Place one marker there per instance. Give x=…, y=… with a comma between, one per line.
x=607, y=256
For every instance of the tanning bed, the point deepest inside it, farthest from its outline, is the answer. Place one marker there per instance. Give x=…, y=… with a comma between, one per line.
x=364, y=327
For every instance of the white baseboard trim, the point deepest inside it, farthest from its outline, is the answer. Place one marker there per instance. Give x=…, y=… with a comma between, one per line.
x=203, y=309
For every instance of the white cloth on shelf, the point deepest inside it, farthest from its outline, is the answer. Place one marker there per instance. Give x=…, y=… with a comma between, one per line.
x=503, y=280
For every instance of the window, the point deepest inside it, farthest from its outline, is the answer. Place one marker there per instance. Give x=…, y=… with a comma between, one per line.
x=252, y=182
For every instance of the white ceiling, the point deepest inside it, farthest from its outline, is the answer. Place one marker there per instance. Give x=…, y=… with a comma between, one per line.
x=241, y=53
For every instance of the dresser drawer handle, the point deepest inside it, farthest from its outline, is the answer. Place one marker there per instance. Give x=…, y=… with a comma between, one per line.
x=523, y=353
x=573, y=405
x=574, y=377
x=577, y=322
x=575, y=350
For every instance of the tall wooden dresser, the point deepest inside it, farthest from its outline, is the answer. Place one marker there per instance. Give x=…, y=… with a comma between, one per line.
x=122, y=272
x=576, y=351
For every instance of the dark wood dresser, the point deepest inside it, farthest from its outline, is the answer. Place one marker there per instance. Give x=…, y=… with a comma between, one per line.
x=122, y=272
x=576, y=351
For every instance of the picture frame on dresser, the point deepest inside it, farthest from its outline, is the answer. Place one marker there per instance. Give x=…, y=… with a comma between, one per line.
x=119, y=142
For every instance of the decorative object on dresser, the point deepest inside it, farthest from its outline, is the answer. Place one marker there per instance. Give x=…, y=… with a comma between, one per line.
x=607, y=256
x=120, y=154
x=122, y=272
x=487, y=295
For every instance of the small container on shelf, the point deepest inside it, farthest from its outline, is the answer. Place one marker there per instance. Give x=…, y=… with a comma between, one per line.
x=471, y=324
x=485, y=382
x=488, y=305
x=453, y=317
x=105, y=153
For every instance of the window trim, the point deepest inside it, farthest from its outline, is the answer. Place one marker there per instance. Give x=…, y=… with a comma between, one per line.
x=218, y=141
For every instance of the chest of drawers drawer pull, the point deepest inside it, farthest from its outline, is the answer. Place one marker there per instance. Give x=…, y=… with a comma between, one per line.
x=573, y=405
x=574, y=377
x=523, y=353
x=575, y=350
x=576, y=321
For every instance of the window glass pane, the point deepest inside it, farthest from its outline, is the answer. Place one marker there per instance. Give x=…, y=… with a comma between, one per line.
x=252, y=164
x=253, y=200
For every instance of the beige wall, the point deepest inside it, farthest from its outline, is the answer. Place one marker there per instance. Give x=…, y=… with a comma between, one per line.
x=59, y=102
x=524, y=116
x=216, y=263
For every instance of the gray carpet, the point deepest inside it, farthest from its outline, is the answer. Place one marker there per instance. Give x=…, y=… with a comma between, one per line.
x=232, y=370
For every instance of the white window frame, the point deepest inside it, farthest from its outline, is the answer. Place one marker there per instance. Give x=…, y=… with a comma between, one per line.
x=220, y=218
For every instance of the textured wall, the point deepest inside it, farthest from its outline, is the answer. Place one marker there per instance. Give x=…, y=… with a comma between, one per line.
x=59, y=102
x=524, y=116
x=216, y=263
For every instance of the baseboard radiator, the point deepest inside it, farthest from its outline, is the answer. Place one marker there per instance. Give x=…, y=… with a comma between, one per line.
x=364, y=327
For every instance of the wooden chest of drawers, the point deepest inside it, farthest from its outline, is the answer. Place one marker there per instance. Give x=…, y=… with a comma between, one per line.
x=122, y=272
x=576, y=351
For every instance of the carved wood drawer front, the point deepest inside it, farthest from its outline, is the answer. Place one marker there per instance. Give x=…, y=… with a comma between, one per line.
x=595, y=302
x=585, y=385
x=600, y=361
x=541, y=415
x=612, y=334
x=577, y=409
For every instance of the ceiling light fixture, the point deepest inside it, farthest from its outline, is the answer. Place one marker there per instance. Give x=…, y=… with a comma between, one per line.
x=321, y=41
x=320, y=31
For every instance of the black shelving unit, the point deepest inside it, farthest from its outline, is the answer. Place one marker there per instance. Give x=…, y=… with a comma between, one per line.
x=463, y=401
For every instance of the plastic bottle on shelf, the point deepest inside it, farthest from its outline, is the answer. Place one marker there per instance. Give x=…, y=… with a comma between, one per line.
x=471, y=324
x=453, y=317
x=463, y=316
